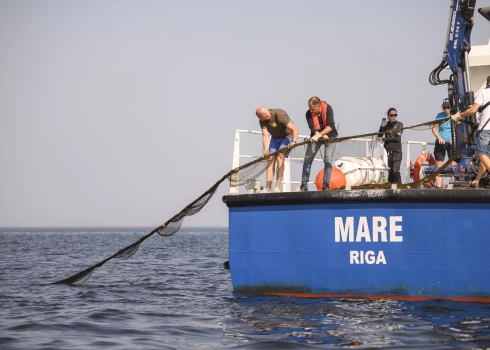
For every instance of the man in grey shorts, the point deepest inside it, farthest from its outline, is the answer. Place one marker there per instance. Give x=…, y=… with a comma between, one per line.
x=483, y=138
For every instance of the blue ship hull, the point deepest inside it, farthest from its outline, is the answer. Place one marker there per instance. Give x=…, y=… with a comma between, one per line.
x=401, y=244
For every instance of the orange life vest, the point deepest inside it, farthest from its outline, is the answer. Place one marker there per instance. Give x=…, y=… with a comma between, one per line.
x=314, y=116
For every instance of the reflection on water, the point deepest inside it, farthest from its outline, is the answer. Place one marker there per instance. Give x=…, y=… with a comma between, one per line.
x=360, y=322
x=175, y=294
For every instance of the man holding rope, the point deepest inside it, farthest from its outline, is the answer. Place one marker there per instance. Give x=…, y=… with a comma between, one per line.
x=319, y=117
x=483, y=136
x=276, y=124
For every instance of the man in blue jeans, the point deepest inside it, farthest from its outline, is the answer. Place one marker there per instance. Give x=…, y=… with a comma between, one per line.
x=322, y=127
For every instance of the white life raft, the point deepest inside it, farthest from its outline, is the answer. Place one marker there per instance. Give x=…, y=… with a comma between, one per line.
x=364, y=170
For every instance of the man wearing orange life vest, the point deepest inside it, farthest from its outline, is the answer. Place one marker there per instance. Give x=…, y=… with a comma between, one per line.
x=322, y=127
x=283, y=133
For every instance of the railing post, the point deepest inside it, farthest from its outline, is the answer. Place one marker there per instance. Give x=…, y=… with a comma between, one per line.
x=286, y=179
x=407, y=163
x=235, y=164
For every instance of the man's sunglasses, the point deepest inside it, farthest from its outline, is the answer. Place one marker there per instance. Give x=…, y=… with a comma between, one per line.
x=446, y=107
x=393, y=115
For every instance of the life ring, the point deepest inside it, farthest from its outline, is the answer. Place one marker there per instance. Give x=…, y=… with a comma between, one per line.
x=417, y=167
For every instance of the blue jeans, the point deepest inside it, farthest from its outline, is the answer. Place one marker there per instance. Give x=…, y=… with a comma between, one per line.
x=311, y=151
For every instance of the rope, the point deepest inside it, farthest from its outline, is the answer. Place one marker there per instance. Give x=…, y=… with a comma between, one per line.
x=172, y=225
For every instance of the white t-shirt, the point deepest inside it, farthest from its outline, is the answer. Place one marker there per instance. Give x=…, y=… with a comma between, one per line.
x=482, y=98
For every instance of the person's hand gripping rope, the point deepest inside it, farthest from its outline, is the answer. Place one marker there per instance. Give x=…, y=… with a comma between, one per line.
x=315, y=137
x=456, y=118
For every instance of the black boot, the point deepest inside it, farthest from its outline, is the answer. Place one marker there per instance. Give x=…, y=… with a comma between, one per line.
x=303, y=188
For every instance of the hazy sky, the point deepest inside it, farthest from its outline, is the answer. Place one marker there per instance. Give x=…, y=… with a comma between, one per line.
x=120, y=113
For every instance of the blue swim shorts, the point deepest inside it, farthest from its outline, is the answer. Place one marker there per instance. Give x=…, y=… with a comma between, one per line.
x=276, y=144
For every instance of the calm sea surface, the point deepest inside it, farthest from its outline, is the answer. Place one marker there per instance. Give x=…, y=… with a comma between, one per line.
x=175, y=294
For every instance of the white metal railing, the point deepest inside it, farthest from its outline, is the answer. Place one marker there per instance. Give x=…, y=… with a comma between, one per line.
x=408, y=154
x=286, y=181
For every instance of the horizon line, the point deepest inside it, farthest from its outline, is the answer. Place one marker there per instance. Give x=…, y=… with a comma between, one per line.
x=64, y=227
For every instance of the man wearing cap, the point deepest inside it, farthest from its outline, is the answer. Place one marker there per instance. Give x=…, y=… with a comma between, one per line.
x=442, y=132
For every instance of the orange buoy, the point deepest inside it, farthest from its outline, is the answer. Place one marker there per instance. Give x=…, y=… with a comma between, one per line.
x=337, y=179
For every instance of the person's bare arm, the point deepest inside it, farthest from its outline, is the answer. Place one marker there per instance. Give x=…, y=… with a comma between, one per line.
x=293, y=127
x=326, y=130
x=435, y=131
x=472, y=110
x=265, y=140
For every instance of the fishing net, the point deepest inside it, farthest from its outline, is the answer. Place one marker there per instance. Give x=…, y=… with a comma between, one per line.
x=244, y=174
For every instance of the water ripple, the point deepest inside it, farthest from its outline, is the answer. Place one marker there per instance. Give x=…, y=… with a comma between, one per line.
x=175, y=294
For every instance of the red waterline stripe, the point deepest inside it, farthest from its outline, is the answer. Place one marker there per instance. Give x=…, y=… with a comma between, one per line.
x=401, y=297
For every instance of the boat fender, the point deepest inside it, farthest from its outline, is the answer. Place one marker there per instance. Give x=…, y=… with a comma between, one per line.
x=337, y=179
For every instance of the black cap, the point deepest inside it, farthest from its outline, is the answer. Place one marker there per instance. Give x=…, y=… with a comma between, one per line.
x=446, y=103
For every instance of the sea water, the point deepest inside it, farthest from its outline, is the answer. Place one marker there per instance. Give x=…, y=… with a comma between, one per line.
x=175, y=294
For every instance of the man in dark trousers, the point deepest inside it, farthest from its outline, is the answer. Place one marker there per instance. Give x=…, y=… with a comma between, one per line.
x=393, y=144
x=322, y=127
